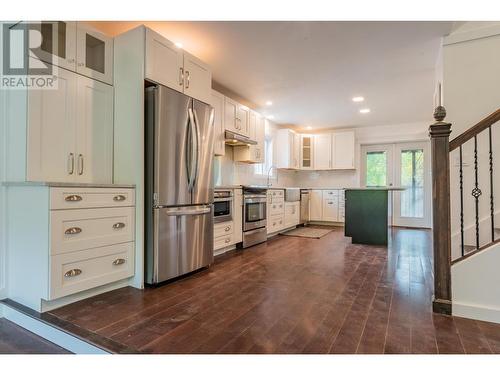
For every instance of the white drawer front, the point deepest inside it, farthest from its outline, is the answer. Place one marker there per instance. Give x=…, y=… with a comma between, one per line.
x=74, y=230
x=221, y=242
x=277, y=193
x=275, y=223
x=66, y=198
x=277, y=208
x=222, y=229
x=330, y=194
x=75, y=272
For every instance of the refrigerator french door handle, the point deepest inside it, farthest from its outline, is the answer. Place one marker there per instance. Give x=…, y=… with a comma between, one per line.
x=198, y=147
x=193, y=165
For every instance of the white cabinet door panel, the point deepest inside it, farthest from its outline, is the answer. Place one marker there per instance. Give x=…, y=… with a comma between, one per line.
x=197, y=78
x=343, y=152
x=94, y=159
x=330, y=210
x=52, y=131
x=94, y=54
x=230, y=116
x=322, y=151
x=164, y=61
x=316, y=205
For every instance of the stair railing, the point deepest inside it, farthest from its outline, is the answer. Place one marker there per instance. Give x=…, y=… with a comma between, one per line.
x=441, y=148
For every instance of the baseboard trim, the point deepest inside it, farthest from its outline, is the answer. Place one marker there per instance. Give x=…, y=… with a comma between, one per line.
x=58, y=337
x=478, y=312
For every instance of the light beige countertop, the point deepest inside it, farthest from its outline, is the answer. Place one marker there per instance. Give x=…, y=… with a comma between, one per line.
x=67, y=184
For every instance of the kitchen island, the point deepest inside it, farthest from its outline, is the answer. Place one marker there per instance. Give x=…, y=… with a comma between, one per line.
x=367, y=214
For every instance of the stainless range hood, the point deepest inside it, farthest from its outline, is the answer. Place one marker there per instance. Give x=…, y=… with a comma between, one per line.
x=234, y=139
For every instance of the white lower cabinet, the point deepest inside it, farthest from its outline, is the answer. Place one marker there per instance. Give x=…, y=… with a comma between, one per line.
x=229, y=233
x=74, y=239
x=292, y=214
x=327, y=205
x=275, y=210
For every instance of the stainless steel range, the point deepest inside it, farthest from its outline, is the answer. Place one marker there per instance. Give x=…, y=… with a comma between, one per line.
x=254, y=215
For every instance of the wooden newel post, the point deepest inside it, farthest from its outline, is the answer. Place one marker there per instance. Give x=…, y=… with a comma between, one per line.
x=439, y=133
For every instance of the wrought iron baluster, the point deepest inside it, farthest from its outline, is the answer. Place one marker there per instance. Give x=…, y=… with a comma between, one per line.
x=476, y=192
x=492, y=207
x=461, y=203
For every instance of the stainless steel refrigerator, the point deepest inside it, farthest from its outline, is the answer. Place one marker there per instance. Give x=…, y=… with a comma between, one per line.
x=179, y=185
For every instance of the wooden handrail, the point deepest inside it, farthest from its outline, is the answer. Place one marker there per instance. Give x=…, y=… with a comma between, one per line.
x=475, y=130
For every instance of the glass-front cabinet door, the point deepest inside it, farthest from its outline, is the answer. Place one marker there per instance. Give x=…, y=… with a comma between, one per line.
x=54, y=42
x=306, y=152
x=94, y=54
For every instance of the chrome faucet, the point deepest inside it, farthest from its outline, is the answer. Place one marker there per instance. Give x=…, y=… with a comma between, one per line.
x=269, y=175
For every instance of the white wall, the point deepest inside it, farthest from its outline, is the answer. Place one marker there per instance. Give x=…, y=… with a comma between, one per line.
x=471, y=81
x=474, y=282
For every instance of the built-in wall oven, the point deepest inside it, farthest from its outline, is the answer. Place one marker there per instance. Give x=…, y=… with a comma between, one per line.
x=254, y=215
x=223, y=206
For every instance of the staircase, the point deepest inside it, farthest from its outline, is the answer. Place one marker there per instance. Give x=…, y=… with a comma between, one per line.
x=467, y=262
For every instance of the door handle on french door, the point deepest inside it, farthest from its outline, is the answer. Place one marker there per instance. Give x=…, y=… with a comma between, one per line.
x=198, y=147
x=193, y=156
x=186, y=211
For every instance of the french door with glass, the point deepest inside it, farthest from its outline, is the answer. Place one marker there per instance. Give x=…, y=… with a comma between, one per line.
x=405, y=165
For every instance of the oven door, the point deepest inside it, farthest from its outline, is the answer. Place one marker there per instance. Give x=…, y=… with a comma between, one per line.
x=254, y=213
x=223, y=210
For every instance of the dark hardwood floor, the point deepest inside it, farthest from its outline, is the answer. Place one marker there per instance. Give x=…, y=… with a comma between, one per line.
x=17, y=340
x=293, y=295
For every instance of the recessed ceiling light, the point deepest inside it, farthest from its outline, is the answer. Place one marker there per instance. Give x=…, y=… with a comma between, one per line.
x=358, y=99
x=309, y=127
x=178, y=44
x=364, y=110
x=269, y=103
x=270, y=117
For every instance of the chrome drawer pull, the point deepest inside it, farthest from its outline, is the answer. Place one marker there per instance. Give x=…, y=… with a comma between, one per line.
x=74, y=272
x=118, y=225
x=119, y=198
x=118, y=261
x=73, y=198
x=73, y=230
x=227, y=229
x=227, y=240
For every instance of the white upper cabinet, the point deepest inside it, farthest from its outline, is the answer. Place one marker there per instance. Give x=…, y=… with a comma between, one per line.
x=306, y=151
x=230, y=115
x=52, y=131
x=58, y=43
x=76, y=47
x=70, y=131
x=94, y=138
x=288, y=144
x=197, y=78
x=256, y=132
x=343, y=153
x=164, y=61
x=322, y=151
x=242, y=116
x=217, y=102
x=173, y=67
x=94, y=54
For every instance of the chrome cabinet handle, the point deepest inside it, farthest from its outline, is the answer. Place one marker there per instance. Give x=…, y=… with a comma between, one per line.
x=73, y=230
x=119, y=198
x=181, y=76
x=227, y=240
x=80, y=164
x=71, y=163
x=187, y=79
x=73, y=198
x=118, y=261
x=227, y=229
x=118, y=225
x=72, y=273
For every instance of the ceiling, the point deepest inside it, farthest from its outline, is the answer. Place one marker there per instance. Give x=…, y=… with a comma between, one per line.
x=311, y=70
